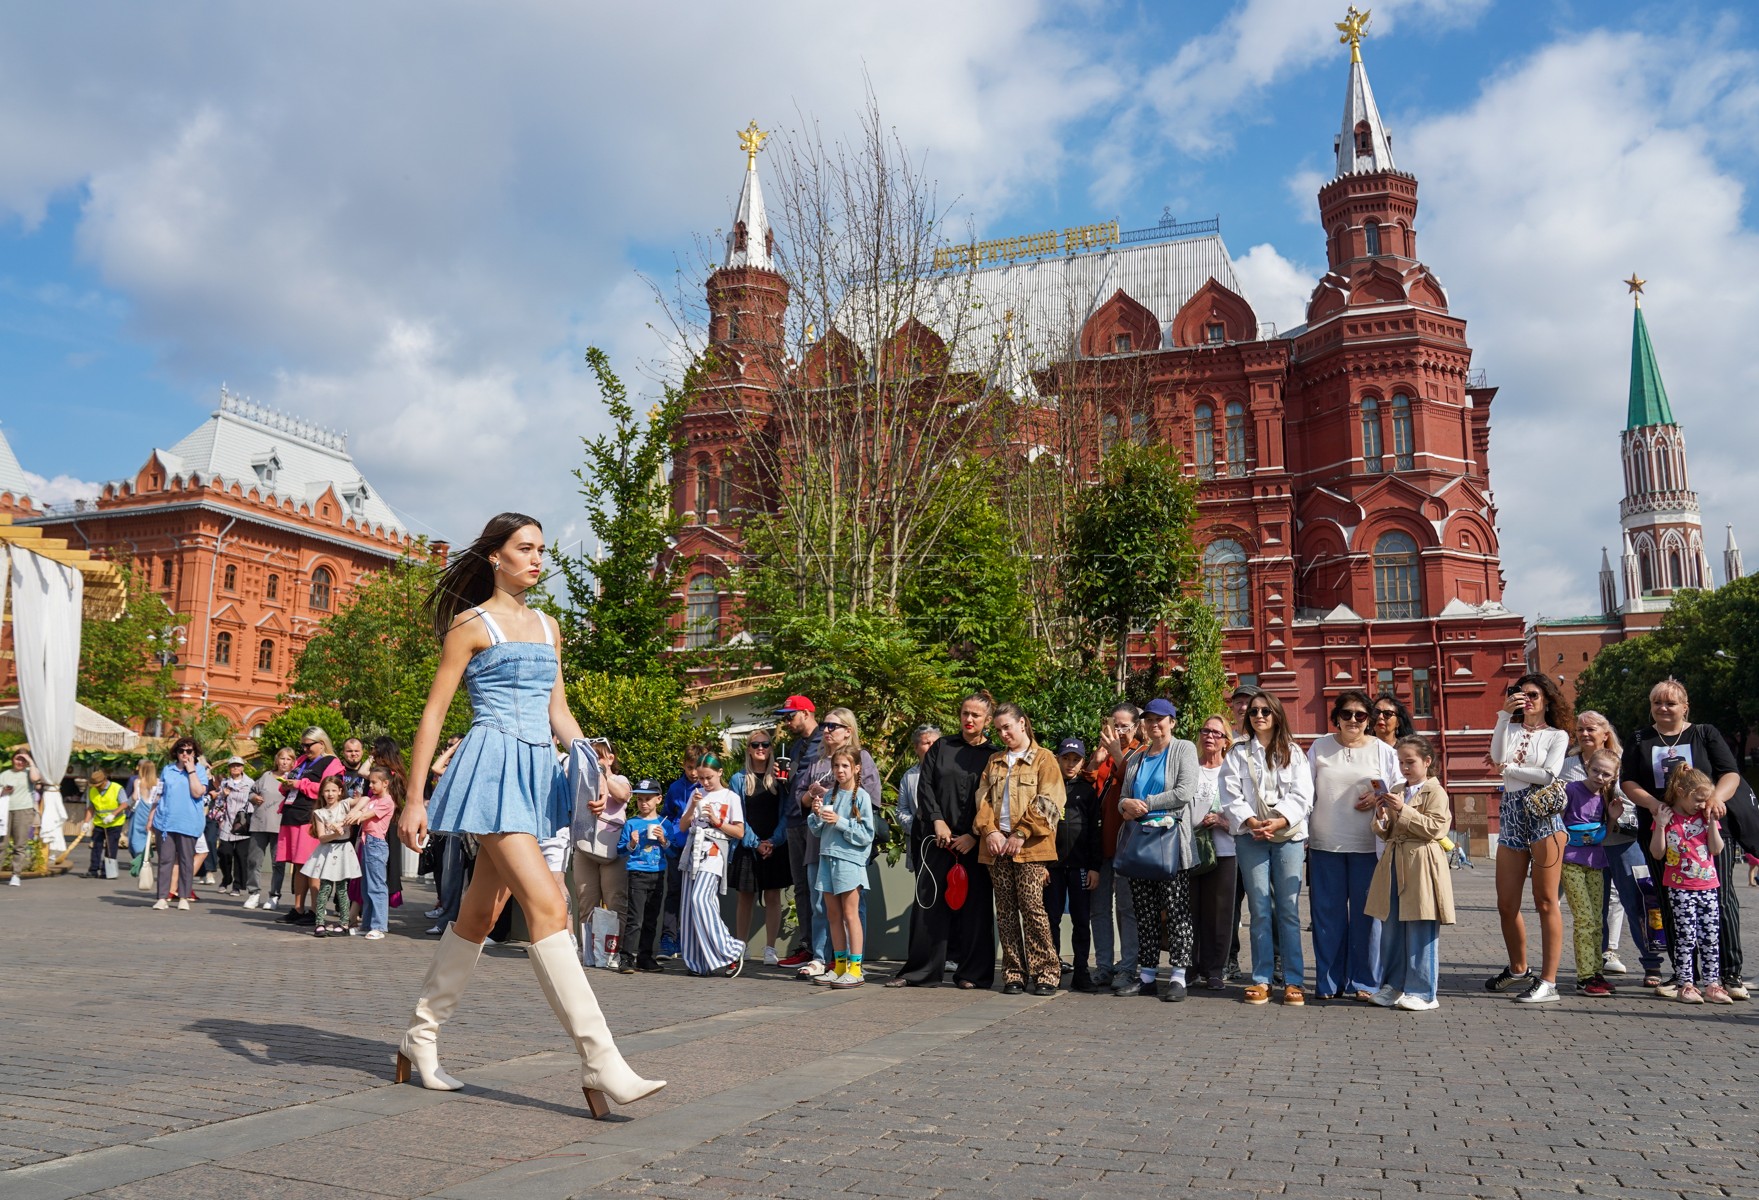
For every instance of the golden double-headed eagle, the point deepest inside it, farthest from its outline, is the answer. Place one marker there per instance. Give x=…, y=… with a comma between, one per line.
x=751, y=140
x=1351, y=30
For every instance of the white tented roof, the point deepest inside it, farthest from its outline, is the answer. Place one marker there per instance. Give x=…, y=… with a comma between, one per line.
x=12, y=478
x=278, y=455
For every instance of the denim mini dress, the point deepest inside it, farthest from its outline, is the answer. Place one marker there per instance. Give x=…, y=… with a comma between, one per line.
x=505, y=777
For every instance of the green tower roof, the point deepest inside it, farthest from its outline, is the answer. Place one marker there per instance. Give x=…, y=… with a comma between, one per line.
x=1649, y=404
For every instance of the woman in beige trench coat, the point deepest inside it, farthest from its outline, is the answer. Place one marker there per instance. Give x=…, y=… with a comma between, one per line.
x=1411, y=893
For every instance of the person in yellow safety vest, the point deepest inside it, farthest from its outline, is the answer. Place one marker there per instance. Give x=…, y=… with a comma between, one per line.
x=107, y=808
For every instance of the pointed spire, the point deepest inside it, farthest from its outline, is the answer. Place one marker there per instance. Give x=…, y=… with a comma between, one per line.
x=1731, y=559
x=1363, y=145
x=1632, y=577
x=1648, y=404
x=1609, y=588
x=750, y=242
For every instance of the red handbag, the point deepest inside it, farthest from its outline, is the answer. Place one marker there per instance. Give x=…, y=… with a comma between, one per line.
x=958, y=886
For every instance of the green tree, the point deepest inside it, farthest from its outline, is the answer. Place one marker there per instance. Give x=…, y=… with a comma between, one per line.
x=1071, y=702
x=286, y=728
x=120, y=674
x=1199, y=686
x=1129, y=554
x=644, y=716
x=374, y=659
x=624, y=601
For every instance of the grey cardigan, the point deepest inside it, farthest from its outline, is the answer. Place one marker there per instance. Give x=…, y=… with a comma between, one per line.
x=1183, y=779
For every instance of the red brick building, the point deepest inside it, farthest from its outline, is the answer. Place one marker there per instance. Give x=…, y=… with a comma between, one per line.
x=257, y=526
x=1346, y=515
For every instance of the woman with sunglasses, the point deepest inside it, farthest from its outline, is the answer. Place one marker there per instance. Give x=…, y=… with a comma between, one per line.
x=1390, y=721
x=1531, y=738
x=294, y=842
x=1267, y=789
x=1350, y=772
x=1213, y=894
x=179, y=817
x=762, y=867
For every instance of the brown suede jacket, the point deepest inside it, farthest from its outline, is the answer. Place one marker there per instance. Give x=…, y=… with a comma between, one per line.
x=1036, y=777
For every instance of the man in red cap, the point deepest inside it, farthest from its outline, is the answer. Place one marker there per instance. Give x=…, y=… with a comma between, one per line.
x=798, y=718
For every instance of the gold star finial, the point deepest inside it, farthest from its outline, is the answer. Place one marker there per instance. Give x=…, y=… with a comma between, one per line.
x=1636, y=286
x=1351, y=30
x=751, y=140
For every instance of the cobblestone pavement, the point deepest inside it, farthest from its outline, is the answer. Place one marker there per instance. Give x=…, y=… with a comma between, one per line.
x=217, y=1054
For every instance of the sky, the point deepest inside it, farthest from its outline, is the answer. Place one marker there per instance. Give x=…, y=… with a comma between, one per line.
x=408, y=220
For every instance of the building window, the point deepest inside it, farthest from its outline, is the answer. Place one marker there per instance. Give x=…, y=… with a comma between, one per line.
x=1236, y=435
x=1676, y=570
x=320, y=589
x=1108, y=433
x=1371, y=238
x=1364, y=138
x=231, y=577
x=1139, y=429
x=1404, y=457
x=1398, y=594
x=1216, y=332
x=165, y=573
x=703, y=613
x=1371, y=451
x=1421, y=703
x=272, y=589
x=265, y=655
x=724, y=486
x=1121, y=343
x=1383, y=682
x=223, y=650
x=705, y=483
x=1203, y=422
x=1646, y=570
x=1224, y=583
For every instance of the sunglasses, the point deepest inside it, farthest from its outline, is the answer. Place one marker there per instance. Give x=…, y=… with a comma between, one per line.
x=1259, y=712
x=831, y=724
x=1352, y=715
x=1212, y=733
x=758, y=745
x=1386, y=714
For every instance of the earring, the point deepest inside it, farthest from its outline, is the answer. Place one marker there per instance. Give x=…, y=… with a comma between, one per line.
x=495, y=563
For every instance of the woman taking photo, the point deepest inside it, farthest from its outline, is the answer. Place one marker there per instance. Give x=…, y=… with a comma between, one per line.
x=763, y=868
x=1019, y=802
x=1160, y=784
x=1212, y=894
x=504, y=787
x=1267, y=789
x=294, y=842
x=1350, y=772
x=1529, y=743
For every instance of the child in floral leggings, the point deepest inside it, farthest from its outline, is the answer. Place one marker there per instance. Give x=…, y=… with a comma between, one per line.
x=1688, y=842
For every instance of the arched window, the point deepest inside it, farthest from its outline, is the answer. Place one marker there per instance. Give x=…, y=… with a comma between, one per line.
x=223, y=650
x=1203, y=425
x=272, y=589
x=1371, y=238
x=1371, y=452
x=231, y=578
x=724, y=499
x=705, y=484
x=320, y=589
x=1224, y=583
x=1108, y=433
x=1645, y=570
x=702, y=613
x=1398, y=594
x=1364, y=138
x=265, y=655
x=1139, y=428
x=165, y=573
x=1676, y=569
x=1404, y=445
x=1236, y=435
x=1641, y=456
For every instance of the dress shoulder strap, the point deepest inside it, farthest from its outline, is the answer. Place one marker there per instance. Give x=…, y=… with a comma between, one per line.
x=496, y=637
x=549, y=638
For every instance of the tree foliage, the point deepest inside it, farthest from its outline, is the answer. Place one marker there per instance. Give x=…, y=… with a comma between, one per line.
x=1071, y=702
x=1130, y=555
x=1199, y=686
x=120, y=674
x=645, y=718
x=286, y=728
x=374, y=659
x=624, y=601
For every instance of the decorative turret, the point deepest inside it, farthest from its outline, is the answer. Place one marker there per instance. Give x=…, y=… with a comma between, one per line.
x=1362, y=145
x=751, y=242
x=1609, y=587
x=1731, y=559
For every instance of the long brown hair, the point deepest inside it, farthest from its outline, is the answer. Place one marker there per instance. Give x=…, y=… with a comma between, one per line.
x=388, y=757
x=1559, y=712
x=1281, y=749
x=469, y=579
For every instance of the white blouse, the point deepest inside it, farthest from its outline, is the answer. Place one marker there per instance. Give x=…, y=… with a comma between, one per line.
x=1339, y=772
x=1528, y=757
x=1288, y=790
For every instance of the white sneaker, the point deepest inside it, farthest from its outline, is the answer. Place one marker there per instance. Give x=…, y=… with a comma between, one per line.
x=811, y=970
x=161, y=906
x=1388, y=996
x=269, y=904
x=252, y=900
x=1610, y=964
x=769, y=956
x=13, y=882
x=434, y=914
x=1412, y=1003
x=1538, y=992
x=183, y=906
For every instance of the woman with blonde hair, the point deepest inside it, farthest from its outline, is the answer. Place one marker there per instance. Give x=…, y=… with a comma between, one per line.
x=761, y=868
x=1594, y=733
x=142, y=792
x=293, y=841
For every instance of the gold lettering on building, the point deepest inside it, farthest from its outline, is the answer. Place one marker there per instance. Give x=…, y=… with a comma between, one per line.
x=1029, y=245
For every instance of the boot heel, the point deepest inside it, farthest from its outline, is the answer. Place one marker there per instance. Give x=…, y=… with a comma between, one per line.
x=598, y=1103
x=402, y=1068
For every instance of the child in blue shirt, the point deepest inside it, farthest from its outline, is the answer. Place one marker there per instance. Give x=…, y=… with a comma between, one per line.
x=644, y=843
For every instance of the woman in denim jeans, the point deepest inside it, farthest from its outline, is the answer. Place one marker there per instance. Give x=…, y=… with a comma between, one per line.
x=1267, y=795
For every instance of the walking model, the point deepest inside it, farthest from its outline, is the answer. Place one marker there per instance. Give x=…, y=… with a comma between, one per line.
x=503, y=787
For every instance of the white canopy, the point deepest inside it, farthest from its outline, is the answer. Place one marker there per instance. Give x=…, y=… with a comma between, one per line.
x=91, y=730
x=47, y=599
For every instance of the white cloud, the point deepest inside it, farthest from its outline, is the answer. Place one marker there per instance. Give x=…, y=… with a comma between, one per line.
x=1277, y=287
x=1595, y=157
x=62, y=489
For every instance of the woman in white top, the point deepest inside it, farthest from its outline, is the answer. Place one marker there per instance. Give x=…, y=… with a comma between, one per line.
x=1212, y=893
x=1267, y=795
x=1350, y=770
x=715, y=819
x=1531, y=739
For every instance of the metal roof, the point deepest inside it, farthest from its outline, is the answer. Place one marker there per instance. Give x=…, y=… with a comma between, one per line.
x=1648, y=405
x=1360, y=109
x=12, y=478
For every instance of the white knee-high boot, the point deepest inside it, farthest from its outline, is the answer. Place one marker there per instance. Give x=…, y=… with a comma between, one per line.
x=603, y=1073
x=447, y=974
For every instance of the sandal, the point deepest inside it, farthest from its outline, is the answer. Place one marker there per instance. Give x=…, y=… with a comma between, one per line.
x=1652, y=980
x=965, y=985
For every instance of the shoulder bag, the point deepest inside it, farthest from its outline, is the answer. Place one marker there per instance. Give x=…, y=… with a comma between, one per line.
x=1546, y=802
x=1148, y=851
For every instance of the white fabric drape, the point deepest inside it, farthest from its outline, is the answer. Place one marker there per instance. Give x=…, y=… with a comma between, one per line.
x=46, y=604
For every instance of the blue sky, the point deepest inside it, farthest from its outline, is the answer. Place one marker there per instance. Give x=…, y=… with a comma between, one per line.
x=409, y=220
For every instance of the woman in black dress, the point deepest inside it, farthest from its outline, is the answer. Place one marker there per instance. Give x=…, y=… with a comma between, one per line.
x=763, y=867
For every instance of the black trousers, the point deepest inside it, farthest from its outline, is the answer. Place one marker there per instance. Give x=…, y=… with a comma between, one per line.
x=1068, y=884
x=641, y=913
x=938, y=932
x=1217, y=925
x=106, y=843
x=234, y=863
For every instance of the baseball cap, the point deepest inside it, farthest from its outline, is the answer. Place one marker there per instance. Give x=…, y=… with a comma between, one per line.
x=236, y=761
x=1247, y=690
x=646, y=787
x=1159, y=708
x=794, y=704
x=1072, y=746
